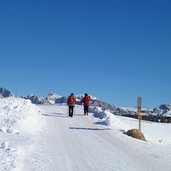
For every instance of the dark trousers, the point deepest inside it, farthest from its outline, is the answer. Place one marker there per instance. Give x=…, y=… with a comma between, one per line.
x=71, y=110
x=85, y=110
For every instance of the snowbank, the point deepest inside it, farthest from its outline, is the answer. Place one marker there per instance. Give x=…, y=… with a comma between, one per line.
x=153, y=131
x=109, y=119
x=19, y=120
x=19, y=116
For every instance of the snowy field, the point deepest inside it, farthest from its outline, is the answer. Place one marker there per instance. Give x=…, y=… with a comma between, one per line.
x=44, y=138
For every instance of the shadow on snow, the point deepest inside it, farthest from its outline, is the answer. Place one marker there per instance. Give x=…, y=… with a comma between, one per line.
x=90, y=129
x=55, y=114
x=59, y=114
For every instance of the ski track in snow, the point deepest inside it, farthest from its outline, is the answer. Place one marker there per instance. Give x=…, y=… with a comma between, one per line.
x=78, y=144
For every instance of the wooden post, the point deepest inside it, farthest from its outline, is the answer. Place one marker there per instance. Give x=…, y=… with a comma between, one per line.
x=139, y=119
x=139, y=102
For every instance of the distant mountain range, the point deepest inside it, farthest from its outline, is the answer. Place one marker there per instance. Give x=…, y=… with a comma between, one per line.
x=163, y=110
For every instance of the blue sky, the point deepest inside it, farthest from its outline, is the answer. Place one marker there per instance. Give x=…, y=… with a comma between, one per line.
x=116, y=50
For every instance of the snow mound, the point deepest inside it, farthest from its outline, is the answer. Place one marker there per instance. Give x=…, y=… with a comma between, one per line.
x=109, y=119
x=20, y=120
x=19, y=116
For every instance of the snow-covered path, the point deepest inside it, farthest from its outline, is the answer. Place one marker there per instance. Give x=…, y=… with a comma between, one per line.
x=78, y=144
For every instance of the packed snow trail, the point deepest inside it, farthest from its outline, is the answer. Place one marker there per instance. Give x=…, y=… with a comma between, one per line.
x=78, y=144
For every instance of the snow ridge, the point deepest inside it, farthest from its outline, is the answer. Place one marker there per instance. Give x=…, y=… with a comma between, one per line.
x=19, y=120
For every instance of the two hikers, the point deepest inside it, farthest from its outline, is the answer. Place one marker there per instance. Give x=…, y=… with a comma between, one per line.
x=72, y=100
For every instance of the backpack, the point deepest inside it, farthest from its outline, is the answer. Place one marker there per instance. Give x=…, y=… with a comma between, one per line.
x=71, y=100
x=86, y=100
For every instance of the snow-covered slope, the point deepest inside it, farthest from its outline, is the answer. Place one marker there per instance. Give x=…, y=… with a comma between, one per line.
x=44, y=138
x=20, y=121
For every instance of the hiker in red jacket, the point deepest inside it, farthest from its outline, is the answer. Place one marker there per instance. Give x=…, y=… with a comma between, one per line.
x=86, y=102
x=71, y=103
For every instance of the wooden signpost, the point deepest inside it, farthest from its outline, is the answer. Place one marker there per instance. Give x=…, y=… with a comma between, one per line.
x=140, y=114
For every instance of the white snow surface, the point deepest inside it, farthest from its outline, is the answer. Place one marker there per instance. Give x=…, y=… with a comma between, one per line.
x=44, y=138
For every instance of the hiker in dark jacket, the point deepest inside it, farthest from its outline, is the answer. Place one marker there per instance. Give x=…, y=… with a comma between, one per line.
x=86, y=102
x=71, y=103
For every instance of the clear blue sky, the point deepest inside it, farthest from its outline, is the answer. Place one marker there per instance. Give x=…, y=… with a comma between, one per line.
x=116, y=50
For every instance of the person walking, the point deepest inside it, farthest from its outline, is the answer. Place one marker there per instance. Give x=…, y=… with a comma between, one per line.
x=71, y=103
x=86, y=102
